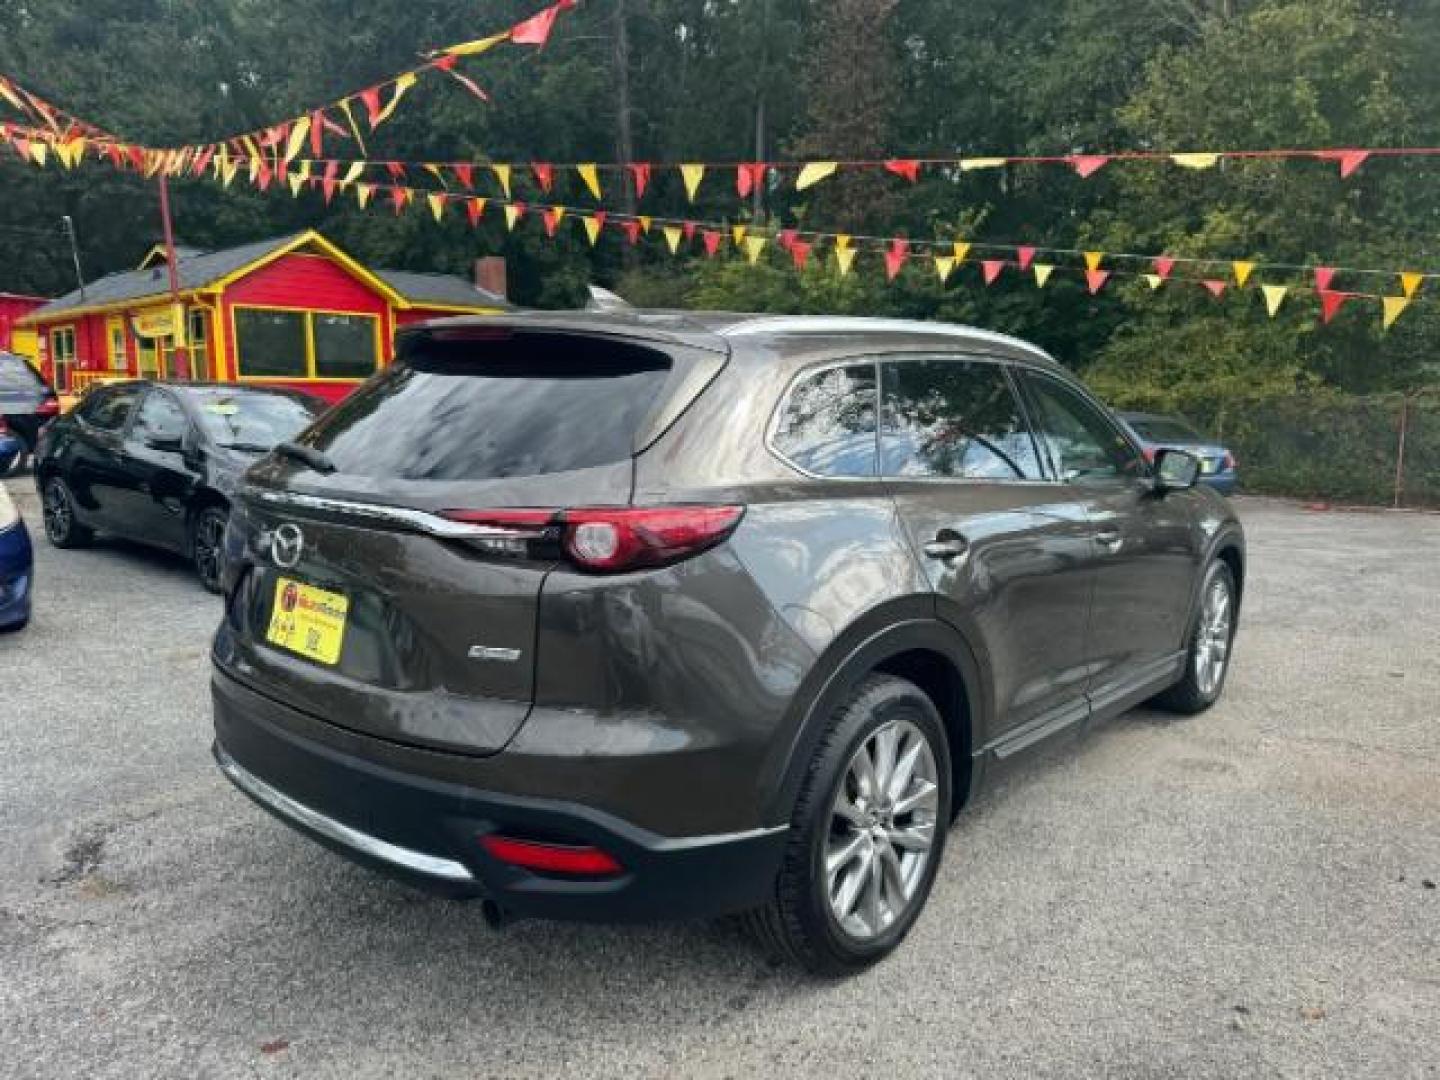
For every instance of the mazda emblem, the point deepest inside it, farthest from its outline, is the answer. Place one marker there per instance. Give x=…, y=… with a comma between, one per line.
x=286, y=545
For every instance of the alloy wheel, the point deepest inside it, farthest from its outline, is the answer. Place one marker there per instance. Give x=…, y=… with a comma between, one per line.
x=1212, y=642
x=58, y=514
x=208, y=544
x=882, y=830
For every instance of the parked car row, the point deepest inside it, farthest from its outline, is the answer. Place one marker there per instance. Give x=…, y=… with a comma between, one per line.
x=27, y=404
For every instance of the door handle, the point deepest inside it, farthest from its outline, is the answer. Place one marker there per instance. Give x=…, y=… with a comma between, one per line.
x=1109, y=539
x=947, y=545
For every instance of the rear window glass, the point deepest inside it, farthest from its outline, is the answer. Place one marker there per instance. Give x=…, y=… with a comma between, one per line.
x=251, y=419
x=16, y=374
x=1163, y=430
x=477, y=410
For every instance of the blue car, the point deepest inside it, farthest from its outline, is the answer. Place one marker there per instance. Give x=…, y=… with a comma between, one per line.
x=10, y=448
x=17, y=566
x=1156, y=433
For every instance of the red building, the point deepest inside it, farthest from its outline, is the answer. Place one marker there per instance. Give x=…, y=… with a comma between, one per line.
x=14, y=307
x=292, y=311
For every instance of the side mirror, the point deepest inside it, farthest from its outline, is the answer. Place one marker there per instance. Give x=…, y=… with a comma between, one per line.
x=169, y=444
x=1176, y=470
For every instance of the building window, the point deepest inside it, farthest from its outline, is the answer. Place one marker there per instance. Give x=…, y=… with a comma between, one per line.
x=62, y=355
x=275, y=344
x=118, y=360
x=197, y=335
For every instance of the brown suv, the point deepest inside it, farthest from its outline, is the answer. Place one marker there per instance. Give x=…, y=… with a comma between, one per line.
x=656, y=615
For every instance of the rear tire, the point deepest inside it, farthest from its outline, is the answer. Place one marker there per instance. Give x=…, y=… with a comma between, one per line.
x=62, y=528
x=207, y=545
x=1212, y=635
x=867, y=835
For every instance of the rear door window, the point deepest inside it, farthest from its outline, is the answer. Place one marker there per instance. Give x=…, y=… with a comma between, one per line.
x=953, y=417
x=466, y=409
x=827, y=424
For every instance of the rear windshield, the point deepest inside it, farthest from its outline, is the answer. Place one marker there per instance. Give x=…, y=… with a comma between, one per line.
x=479, y=410
x=249, y=419
x=1164, y=430
x=16, y=374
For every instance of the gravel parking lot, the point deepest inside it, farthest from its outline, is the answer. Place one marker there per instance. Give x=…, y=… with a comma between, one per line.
x=1252, y=892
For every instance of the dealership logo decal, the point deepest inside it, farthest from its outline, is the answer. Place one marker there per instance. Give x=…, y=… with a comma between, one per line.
x=286, y=546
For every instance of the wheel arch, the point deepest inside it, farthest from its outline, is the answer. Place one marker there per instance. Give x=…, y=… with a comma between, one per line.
x=203, y=499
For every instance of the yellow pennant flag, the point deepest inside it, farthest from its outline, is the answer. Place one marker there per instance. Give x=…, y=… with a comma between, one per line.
x=943, y=265
x=403, y=83
x=672, y=238
x=296, y=181
x=298, y=131
x=813, y=173
x=474, y=48
x=962, y=249
x=363, y=193
x=437, y=205
x=591, y=176
x=592, y=229
x=754, y=245
x=434, y=170
x=354, y=127
x=39, y=151
x=844, y=259
x=1154, y=280
x=969, y=164
x=1410, y=283
x=1243, y=269
x=1093, y=260
x=738, y=232
x=353, y=173
x=692, y=175
x=1042, y=274
x=512, y=215
x=1393, y=306
x=1195, y=161
x=645, y=222
x=502, y=174
x=1274, y=297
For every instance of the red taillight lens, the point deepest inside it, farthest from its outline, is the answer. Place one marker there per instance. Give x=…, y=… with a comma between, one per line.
x=551, y=858
x=4, y=427
x=48, y=407
x=1150, y=454
x=1229, y=460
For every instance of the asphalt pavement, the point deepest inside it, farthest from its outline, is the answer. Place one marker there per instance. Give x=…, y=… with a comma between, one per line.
x=1247, y=893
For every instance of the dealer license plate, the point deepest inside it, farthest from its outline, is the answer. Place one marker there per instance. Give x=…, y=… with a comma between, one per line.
x=308, y=621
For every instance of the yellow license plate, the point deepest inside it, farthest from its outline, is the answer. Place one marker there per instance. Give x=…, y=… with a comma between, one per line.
x=308, y=621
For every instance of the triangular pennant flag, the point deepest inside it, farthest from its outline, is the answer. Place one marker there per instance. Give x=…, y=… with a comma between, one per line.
x=474, y=48
x=799, y=253
x=437, y=204
x=1093, y=260
x=1324, y=275
x=1349, y=160
x=1024, y=256
x=842, y=240
x=1330, y=303
x=399, y=198
x=354, y=127
x=38, y=152
x=645, y=222
x=960, y=249
x=692, y=175
x=513, y=213
x=353, y=173
x=1216, y=287
x=1042, y=274
x=1195, y=161
x=904, y=167
x=632, y=231
x=469, y=84
x=536, y=29
x=1163, y=265
x=844, y=259
x=711, y=239
x=1095, y=280
x=1274, y=297
x=1243, y=269
x=673, y=233
x=640, y=175
x=591, y=176
x=328, y=183
x=475, y=210
x=551, y=218
x=749, y=177
x=502, y=174
x=296, y=181
x=396, y=169
x=754, y=245
x=403, y=83
x=592, y=228
x=1153, y=280
x=787, y=237
x=298, y=130
x=1393, y=306
x=972, y=163
x=990, y=269
x=1087, y=164
x=1410, y=283
x=737, y=232
x=363, y=193
x=689, y=228
x=465, y=174
x=434, y=170
x=944, y=265
x=895, y=256
x=813, y=173
x=544, y=175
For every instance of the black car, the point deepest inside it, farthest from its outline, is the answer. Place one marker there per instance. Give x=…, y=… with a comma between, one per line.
x=158, y=462
x=643, y=615
x=27, y=403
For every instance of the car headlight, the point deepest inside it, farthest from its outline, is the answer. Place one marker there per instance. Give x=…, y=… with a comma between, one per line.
x=9, y=515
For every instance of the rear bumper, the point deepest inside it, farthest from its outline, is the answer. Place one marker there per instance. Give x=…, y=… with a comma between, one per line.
x=426, y=832
x=1224, y=483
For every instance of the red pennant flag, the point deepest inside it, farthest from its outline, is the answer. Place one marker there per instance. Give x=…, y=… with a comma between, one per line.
x=202, y=159
x=895, y=256
x=446, y=63
x=799, y=253
x=1087, y=164
x=371, y=100
x=1163, y=265
x=1349, y=160
x=749, y=177
x=689, y=228
x=317, y=133
x=116, y=155
x=395, y=169
x=787, y=238
x=397, y=198
x=1025, y=255
x=544, y=175
x=465, y=174
x=334, y=127
x=551, y=217
x=904, y=167
x=1324, y=275
x=990, y=269
x=137, y=158
x=272, y=136
x=263, y=176
x=327, y=182
x=632, y=231
x=1095, y=280
x=520, y=210
x=600, y=216
x=1330, y=303
x=470, y=84
x=1217, y=288
x=712, y=240
x=474, y=210
x=536, y=29
x=640, y=174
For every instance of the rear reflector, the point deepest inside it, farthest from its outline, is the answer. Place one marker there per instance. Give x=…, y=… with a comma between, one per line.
x=48, y=407
x=551, y=858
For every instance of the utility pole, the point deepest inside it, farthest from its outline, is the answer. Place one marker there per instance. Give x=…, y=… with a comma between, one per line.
x=69, y=226
x=624, y=132
x=181, y=356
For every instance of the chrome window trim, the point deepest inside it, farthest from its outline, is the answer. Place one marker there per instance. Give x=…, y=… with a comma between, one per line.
x=418, y=520
x=373, y=846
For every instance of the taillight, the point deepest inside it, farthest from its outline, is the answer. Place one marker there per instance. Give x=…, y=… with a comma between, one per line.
x=580, y=861
x=1150, y=454
x=49, y=407
x=4, y=427
x=1229, y=460
x=603, y=539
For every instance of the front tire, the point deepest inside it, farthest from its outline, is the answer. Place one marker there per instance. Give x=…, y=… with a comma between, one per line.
x=207, y=545
x=62, y=527
x=1212, y=634
x=867, y=834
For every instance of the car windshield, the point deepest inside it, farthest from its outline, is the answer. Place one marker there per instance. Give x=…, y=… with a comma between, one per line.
x=17, y=374
x=1164, y=430
x=249, y=419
